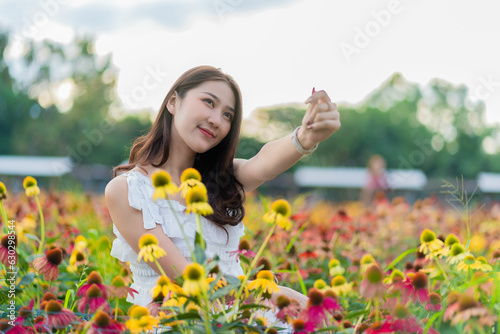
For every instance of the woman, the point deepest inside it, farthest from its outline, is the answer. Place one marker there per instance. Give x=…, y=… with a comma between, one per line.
x=198, y=126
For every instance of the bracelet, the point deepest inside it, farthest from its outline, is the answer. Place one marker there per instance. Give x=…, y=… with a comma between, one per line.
x=298, y=146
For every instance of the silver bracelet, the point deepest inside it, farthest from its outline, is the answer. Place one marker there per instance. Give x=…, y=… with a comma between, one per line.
x=298, y=146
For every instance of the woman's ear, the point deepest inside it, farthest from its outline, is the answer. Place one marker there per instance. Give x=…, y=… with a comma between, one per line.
x=171, y=103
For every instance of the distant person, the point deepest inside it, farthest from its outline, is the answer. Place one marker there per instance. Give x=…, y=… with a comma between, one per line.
x=376, y=180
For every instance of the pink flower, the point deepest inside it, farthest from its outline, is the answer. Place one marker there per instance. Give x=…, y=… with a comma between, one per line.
x=57, y=316
x=372, y=285
x=319, y=306
x=104, y=324
x=5, y=243
x=94, y=299
x=93, y=278
x=48, y=265
x=415, y=288
x=434, y=303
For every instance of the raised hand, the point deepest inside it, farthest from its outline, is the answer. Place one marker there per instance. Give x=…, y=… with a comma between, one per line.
x=320, y=121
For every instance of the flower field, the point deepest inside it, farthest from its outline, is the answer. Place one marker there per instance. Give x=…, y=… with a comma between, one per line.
x=395, y=267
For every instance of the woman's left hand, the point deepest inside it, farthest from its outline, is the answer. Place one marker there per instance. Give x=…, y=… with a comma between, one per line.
x=320, y=121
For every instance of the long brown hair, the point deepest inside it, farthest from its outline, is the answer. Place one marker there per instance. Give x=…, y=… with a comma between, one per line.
x=225, y=192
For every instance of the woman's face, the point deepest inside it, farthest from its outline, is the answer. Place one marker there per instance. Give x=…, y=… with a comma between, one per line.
x=203, y=117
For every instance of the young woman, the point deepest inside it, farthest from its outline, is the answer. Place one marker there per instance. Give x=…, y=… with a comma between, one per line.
x=198, y=126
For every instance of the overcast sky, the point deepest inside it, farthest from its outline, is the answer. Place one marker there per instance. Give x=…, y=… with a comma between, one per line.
x=277, y=50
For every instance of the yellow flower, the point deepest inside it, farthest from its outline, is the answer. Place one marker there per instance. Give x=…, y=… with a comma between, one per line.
x=478, y=243
x=149, y=248
x=191, y=178
x=163, y=185
x=194, y=279
x=430, y=244
x=80, y=242
x=3, y=191
x=340, y=286
x=265, y=282
x=245, y=293
x=76, y=259
x=470, y=262
x=335, y=268
x=457, y=253
x=280, y=211
x=220, y=284
x=197, y=202
x=140, y=320
x=164, y=286
x=30, y=186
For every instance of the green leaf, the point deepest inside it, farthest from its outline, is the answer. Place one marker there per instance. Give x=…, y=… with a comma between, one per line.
x=253, y=306
x=431, y=320
x=32, y=237
x=232, y=280
x=264, y=202
x=400, y=257
x=221, y=292
x=51, y=240
x=199, y=253
x=296, y=237
x=69, y=294
x=301, y=281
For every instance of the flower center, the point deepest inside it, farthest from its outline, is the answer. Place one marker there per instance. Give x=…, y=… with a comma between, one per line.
x=138, y=312
x=94, y=291
x=190, y=173
x=55, y=256
x=161, y=179
x=282, y=301
x=29, y=182
x=374, y=274
x=427, y=236
x=333, y=263
x=244, y=245
x=466, y=301
x=367, y=259
x=147, y=240
x=419, y=281
x=195, y=195
x=338, y=281
x=315, y=297
x=264, y=262
x=400, y=311
x=80, y=256
x=434, y=298
x=451, y=239
x=193, y=272
x=457, y=249
x=102, y=319
x=265, y=274
x=94, y=277
x=469, y=260
x=53, y=306
x=281, y=207
x=320, y=284
x=49, y=296
x=118, y=282
x=299, y=324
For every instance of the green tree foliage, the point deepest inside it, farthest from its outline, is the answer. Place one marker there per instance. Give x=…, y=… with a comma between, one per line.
x=60, y=103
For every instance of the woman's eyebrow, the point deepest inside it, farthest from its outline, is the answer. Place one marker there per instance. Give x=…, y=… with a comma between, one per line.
x=218, y=101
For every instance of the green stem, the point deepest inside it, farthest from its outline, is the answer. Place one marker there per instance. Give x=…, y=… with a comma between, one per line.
x=42, y=225
x=249, y=270
x=116, y=310
x=198, y=228
x=159, y=267
x=4, y=217
x=438, y=263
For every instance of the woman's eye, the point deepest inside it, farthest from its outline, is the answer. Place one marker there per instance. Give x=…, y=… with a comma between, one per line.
x=228, y=115
x=209, y=101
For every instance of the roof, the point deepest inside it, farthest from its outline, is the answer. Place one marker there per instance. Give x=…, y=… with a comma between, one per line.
x=488, y=182
x=34, y=165
x=343, y=177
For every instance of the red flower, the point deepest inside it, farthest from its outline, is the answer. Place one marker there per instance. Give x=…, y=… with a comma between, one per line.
x=57, y=316
x=319, y=306
x=415, y=288
x=104, y=324
x=48, y=265
x=309, y=254
x=7, y=241
x=93, y=278
x=94, y=299
x=434, y=303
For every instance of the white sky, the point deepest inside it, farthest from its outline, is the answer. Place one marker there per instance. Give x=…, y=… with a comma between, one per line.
x=278, y=50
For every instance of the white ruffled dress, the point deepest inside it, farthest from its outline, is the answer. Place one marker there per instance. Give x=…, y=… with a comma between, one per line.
x=140, y=197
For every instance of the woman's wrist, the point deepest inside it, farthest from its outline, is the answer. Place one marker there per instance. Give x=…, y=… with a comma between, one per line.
x=301, y=143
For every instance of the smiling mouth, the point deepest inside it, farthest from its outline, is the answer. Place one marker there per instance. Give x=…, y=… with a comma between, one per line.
x=207, y=132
